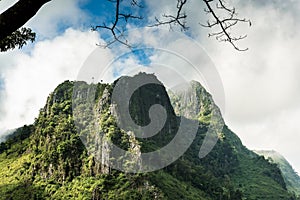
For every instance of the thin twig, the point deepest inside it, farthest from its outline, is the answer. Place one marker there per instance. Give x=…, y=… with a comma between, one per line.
x=224, y=24
x=178, y=19
x=115, y=31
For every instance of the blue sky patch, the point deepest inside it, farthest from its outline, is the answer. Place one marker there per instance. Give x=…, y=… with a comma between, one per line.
x=142, y=55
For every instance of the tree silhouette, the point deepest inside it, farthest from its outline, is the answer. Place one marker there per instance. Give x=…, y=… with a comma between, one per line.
x=223, y=17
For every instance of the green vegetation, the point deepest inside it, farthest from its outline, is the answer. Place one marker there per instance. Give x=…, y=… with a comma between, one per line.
x=47, y=160
x=291, y=177
x=18, y=38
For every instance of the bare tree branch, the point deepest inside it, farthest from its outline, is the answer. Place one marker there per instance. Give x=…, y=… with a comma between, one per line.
x=118, y=35
x=224, y=24
x=223, y=18
x=136, y=3
x=129, y=16
x=178, y=19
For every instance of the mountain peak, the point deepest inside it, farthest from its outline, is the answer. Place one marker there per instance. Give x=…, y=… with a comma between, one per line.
x=53, y=161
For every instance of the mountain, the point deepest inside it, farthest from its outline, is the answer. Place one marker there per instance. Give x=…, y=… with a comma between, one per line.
x=5, y=134
x=69, y=152
x=291, y=177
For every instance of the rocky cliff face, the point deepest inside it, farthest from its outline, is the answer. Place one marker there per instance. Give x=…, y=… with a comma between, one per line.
x=70, y=151
x=194, y=102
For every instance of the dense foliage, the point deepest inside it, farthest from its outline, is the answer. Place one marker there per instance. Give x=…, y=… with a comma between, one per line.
x=47, y=160
x=290, y=176
x=19, y=38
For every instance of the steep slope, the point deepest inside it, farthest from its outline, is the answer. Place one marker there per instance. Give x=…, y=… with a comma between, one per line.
x=230, y=161
x=48, y=160
x=5, y=134
x=291, y=178
x=52, y=163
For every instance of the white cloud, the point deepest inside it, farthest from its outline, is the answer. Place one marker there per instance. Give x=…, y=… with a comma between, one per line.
x=5, y=4
x=56, y=15
x=262, y=84
x=30, y=77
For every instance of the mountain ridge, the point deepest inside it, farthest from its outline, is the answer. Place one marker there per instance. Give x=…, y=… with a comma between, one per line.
x=52, y=162
x=290, y=176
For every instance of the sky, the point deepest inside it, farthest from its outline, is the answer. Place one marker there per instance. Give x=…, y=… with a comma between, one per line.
x=260, y=86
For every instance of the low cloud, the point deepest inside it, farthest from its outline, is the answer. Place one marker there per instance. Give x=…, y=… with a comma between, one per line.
x=30, y=77
x=262, y=84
